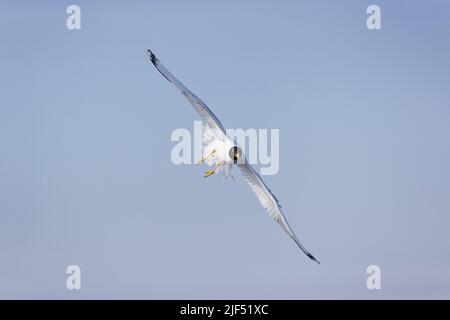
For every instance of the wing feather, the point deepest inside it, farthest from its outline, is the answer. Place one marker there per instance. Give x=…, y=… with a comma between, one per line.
x=207, y=115
x=270, y=203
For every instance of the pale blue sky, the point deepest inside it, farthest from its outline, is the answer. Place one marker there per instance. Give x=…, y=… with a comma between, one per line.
x=85, y=170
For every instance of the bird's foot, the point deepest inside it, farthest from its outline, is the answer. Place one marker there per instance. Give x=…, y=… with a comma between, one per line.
x=203, y=159
x=209, y=172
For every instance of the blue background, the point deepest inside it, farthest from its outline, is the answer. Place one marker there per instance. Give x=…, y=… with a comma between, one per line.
x=86, y=176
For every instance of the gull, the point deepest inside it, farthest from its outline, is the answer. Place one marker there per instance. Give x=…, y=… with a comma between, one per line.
x=222, y=152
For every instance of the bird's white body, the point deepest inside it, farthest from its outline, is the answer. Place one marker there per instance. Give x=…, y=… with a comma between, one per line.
x=216, y=152
x=220, y=149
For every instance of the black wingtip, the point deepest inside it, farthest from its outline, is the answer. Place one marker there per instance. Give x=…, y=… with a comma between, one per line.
x=313, y=258
x=156, y=62
x=152, y=56
x=305, y=251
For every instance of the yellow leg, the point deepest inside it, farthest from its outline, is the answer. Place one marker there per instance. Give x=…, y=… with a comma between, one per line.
x=210, y=172
x=202, y=160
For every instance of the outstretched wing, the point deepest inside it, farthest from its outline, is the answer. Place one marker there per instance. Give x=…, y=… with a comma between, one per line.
x=210, y=119
x=270, y=203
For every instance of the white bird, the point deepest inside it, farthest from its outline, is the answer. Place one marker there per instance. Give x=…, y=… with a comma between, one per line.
x=222, y=152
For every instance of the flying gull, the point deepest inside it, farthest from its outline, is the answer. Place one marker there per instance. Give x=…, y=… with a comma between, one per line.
x=222, y=153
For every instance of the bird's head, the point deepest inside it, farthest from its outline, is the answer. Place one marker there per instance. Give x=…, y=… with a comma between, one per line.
x=235, y=154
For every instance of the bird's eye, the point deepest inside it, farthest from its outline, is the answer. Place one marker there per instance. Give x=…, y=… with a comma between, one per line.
x=235, y=153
